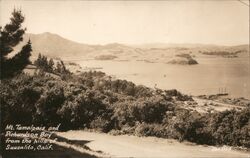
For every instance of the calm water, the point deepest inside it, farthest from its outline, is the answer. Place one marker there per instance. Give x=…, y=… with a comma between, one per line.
x=210, y=76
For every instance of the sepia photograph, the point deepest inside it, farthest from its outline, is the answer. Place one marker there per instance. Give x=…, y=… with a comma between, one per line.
x=124, y=79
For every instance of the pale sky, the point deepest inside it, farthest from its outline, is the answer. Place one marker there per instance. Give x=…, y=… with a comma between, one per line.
x=223, y=22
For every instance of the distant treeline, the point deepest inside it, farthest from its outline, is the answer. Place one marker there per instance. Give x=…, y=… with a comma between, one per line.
x=93, y=100
x=105, y=57
x=223, y=53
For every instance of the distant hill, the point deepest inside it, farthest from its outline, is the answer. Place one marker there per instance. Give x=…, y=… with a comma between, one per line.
x=55, y=46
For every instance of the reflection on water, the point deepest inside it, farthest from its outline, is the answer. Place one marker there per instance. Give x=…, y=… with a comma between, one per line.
x=210, y=76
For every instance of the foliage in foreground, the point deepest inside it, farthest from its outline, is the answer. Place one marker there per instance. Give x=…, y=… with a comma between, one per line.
x=10, y=36
x=93, y=100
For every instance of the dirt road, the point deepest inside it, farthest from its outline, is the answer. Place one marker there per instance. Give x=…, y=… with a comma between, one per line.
x=132, y=146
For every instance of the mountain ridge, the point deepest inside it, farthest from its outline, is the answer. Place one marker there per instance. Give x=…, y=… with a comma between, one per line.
x=54, y=45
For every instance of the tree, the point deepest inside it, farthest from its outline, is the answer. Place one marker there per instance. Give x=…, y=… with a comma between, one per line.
x=61, y=69
x=51, y=65
x=42, y=63
x=58, y=67
x=10, y=36
x=64, y=70
x=37, y=62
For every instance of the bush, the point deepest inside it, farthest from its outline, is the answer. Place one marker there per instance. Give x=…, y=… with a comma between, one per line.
x=145, y=129
x=121, y=108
